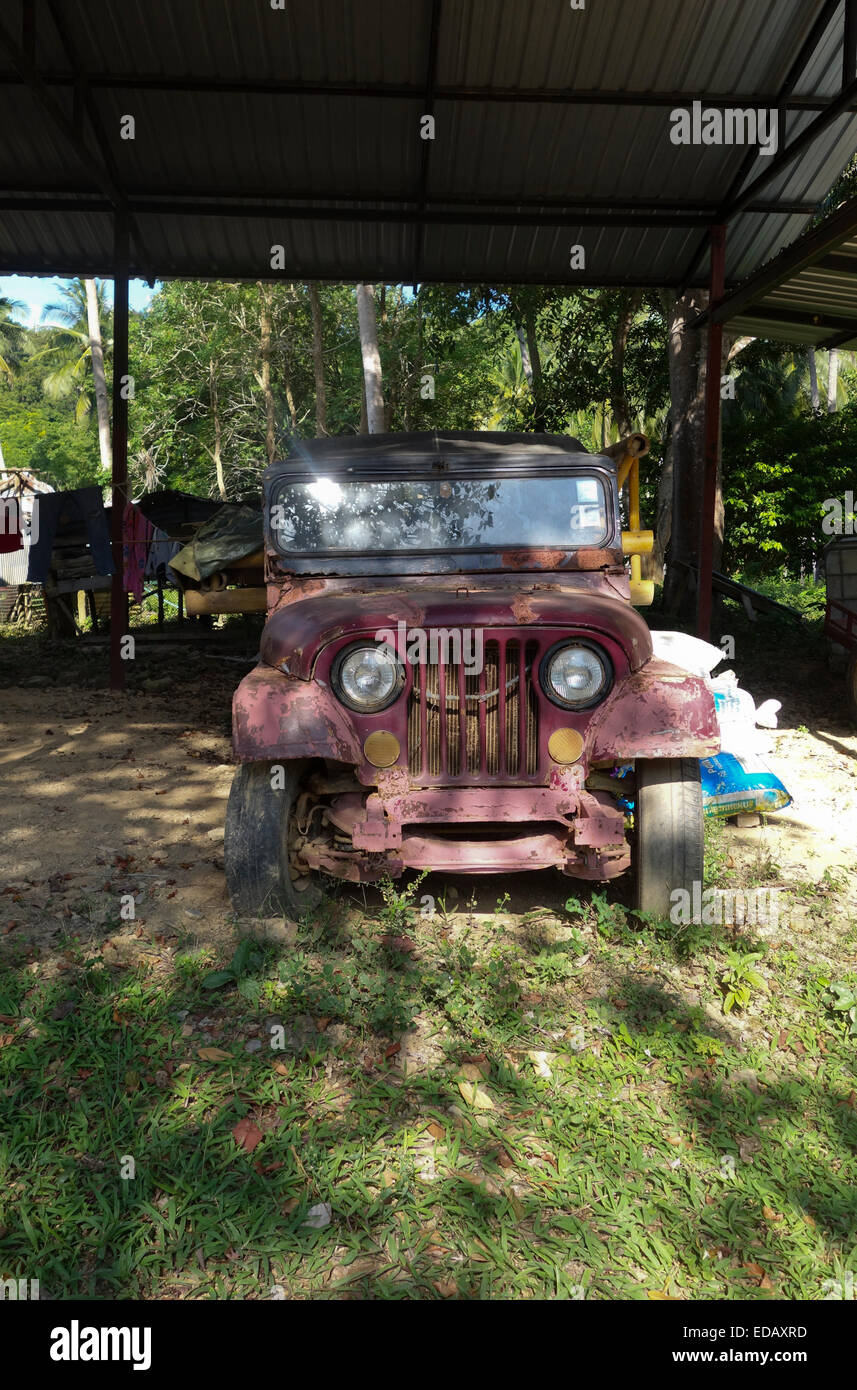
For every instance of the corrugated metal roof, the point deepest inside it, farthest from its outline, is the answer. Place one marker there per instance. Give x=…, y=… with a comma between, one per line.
x=807, y=294
x=552, y=129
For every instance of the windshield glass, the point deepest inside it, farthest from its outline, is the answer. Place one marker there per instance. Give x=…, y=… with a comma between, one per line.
x=457, y=514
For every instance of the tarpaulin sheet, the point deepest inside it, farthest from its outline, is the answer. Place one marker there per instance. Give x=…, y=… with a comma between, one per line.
x=228, y=537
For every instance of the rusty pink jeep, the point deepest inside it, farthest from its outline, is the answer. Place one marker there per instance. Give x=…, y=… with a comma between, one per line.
x=453, y=675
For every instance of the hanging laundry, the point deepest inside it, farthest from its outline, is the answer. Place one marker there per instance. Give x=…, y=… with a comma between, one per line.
x=137, y=534
x=52, y=511
x=161, y=551
x=10, y=526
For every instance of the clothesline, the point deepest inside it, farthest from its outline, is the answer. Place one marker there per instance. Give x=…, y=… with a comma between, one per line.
x=145, y=550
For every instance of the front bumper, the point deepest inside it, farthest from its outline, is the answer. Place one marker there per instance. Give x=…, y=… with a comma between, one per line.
x=474, y=830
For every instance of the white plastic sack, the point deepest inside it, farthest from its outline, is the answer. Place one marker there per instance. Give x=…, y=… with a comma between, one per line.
x=690, y=653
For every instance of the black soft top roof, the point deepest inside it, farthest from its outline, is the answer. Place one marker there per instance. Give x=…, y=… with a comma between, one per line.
x=411, y=451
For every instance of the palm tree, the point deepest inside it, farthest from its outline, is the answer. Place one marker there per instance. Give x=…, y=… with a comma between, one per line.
x=75, y=345
x=512, y=387
x=11, y=336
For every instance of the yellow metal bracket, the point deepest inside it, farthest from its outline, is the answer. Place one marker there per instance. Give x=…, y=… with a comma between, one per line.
x=635, y=542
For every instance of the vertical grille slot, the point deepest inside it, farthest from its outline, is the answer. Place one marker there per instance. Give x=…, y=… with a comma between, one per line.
x=465, y=727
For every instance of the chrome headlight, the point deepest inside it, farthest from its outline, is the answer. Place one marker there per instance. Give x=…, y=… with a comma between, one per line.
x=576, y=674
x=367, y=678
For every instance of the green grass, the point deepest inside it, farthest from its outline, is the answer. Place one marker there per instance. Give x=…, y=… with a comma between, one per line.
x=635, y=1139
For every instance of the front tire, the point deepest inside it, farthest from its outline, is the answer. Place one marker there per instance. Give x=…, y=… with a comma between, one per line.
x=256, y=839
x=669, y=835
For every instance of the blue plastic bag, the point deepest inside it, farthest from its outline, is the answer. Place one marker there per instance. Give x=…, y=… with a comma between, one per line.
x=734, y=782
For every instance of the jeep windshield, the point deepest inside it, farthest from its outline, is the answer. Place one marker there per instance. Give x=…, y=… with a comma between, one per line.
x=345, y=515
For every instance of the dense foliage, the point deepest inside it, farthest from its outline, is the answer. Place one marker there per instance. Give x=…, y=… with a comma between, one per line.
x=225, y=376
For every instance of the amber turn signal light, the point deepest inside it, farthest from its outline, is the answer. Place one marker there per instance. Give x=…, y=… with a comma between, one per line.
x=381, y=749
x=565, y=745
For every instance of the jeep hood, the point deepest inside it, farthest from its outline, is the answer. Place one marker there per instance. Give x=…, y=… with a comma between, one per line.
x=294, y=636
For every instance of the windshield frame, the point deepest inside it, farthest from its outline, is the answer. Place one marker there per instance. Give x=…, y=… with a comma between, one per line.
x=606, y=555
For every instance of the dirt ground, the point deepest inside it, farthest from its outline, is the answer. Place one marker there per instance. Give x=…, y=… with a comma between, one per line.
x=111, y=795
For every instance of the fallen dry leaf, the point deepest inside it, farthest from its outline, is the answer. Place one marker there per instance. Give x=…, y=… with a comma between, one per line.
x=540, y=1064
x=247, y=1135
x=480, y=1100
x=213, y=1054
x=446, y=1288
x=481, y=1063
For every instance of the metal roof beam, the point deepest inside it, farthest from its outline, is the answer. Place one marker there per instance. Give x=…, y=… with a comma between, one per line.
x=34, y=199
x=565, y=96
x=432, y=216
x=395, y=274
x=802, y=318
x=847, y=265
x=838, y=339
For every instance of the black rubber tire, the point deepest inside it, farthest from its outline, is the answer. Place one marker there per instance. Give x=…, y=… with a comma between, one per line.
x=668, y=832
x=255, y=843
x=851, y=688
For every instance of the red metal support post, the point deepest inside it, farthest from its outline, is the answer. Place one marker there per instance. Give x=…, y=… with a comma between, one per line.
x=119, y=490
x=714, y=364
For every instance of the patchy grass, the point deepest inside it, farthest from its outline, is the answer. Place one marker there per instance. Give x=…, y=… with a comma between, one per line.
x=476, y=1105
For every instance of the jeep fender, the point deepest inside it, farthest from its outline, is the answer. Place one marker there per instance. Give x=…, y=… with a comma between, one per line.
x=658, y=712
x=277, y=717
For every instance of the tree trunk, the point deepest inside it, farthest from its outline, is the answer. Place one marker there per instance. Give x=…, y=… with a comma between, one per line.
x=653, y=565
x=618, y=400
x=832, y=379
x=218, y=432
x=270, y=415
x=99, y=380
x=525, y=353
x=687, y=410
x=290, y=402
x=813, y=379
x=536, y=365
x=371, y=358
x=318, y=360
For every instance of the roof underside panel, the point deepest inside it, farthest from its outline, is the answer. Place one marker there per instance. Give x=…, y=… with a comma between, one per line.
x=300, y=127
